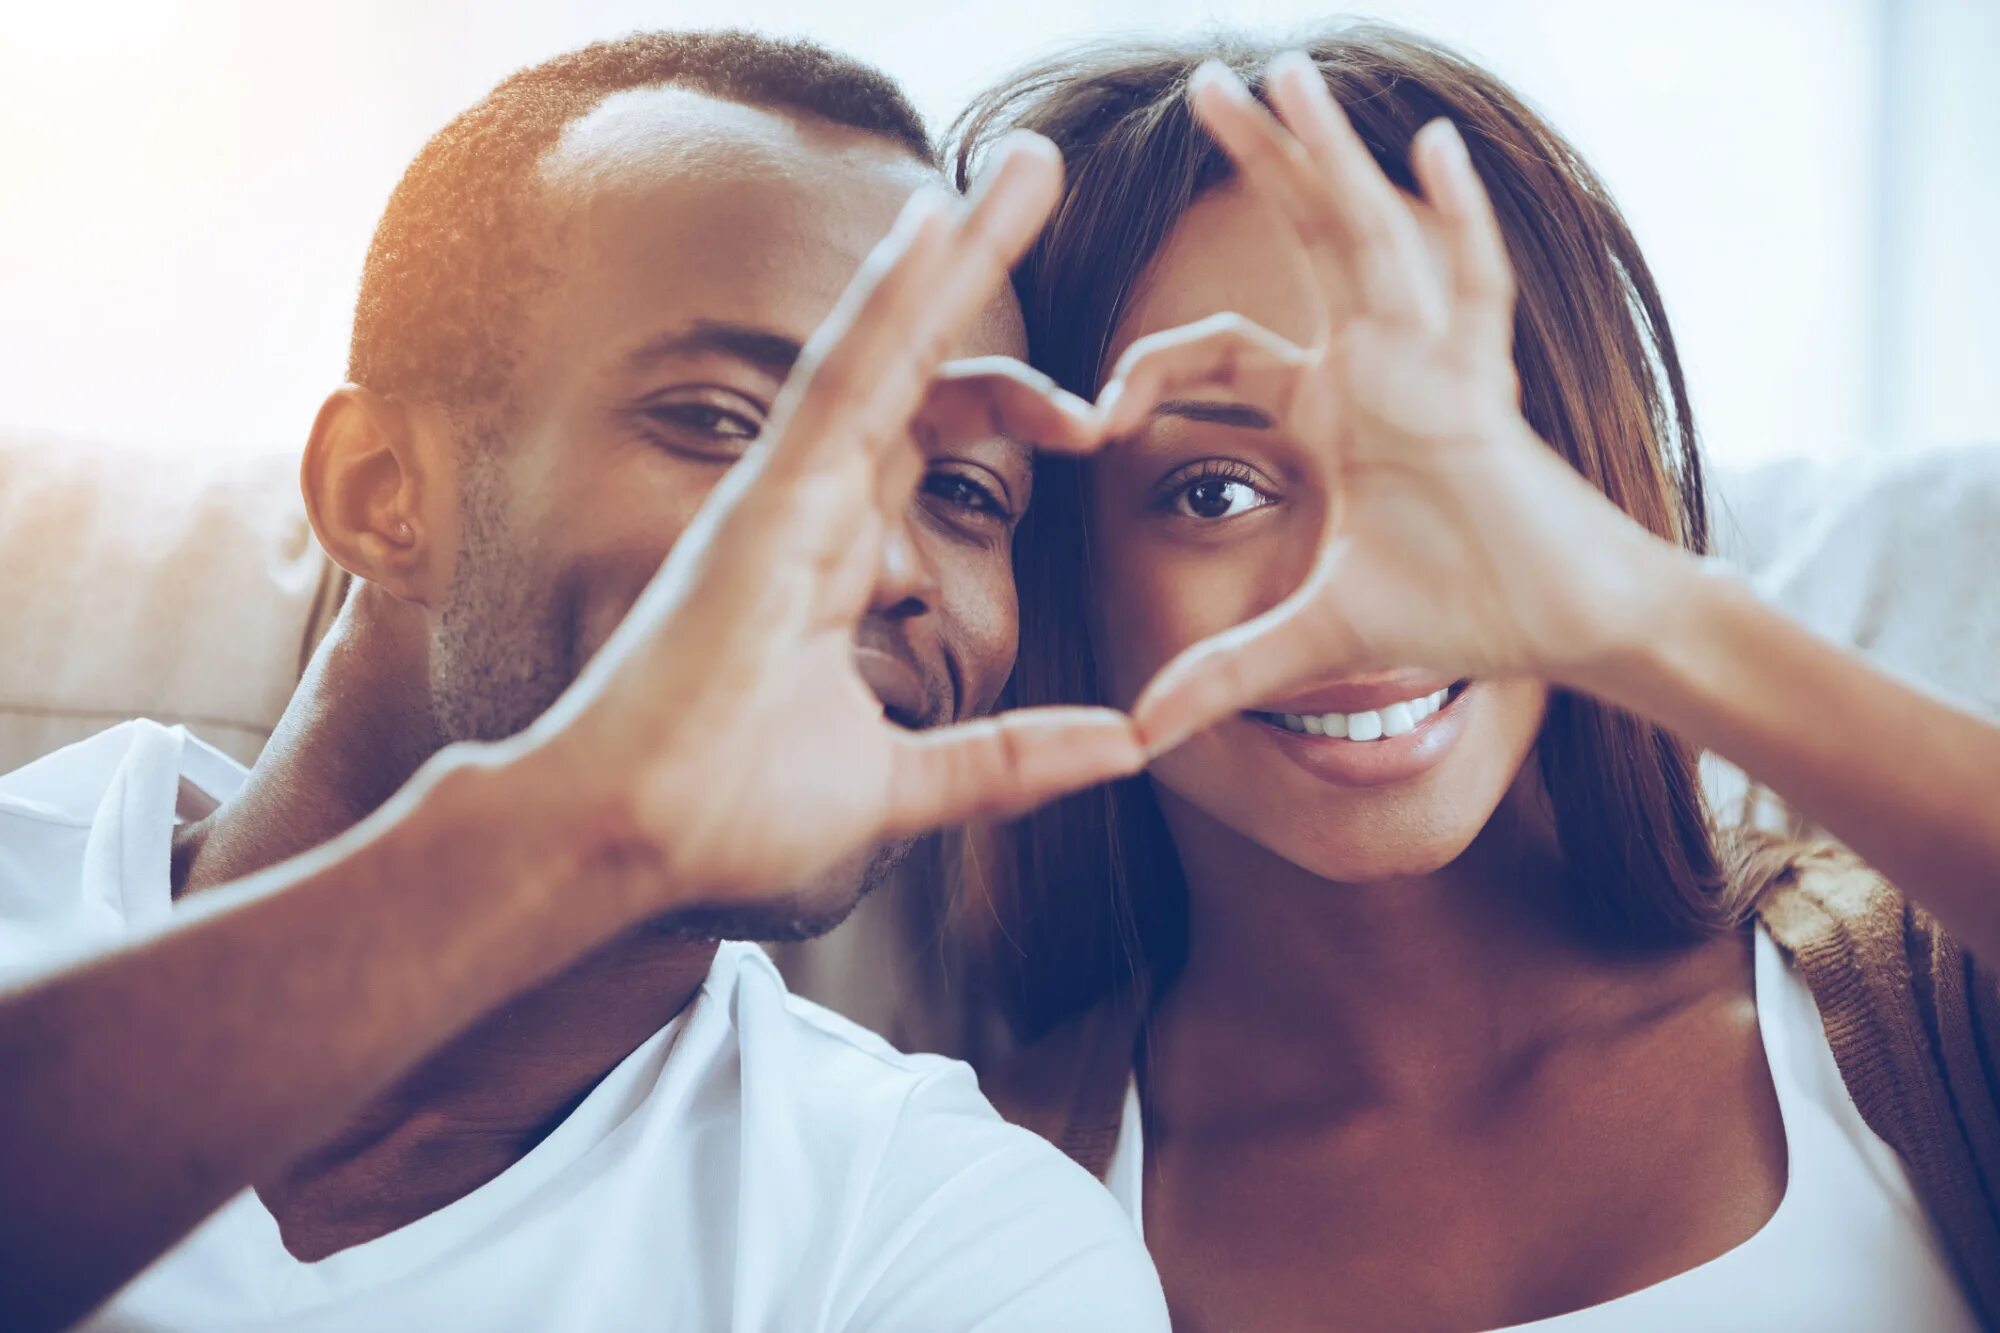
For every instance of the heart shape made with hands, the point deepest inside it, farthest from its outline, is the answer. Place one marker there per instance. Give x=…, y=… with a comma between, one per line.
x=1449, y=542
x=1451, y=528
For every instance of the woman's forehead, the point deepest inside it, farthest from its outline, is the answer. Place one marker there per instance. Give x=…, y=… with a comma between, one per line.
x=1227, y=252
x=1232, y=252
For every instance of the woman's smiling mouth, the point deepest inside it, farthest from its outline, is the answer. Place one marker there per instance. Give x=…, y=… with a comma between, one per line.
x=1368, y=724
x=1391, y=739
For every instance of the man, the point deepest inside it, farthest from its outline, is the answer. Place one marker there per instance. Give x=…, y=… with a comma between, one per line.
x=479, y=1053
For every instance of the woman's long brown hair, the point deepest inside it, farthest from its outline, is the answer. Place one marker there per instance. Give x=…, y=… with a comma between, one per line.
x=1088, y=893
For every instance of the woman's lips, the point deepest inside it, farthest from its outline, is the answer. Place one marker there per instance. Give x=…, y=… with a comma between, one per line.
x=1362, y=693
x=1391, y=743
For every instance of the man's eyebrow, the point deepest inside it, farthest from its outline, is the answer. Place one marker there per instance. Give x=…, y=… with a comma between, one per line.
x=762, y=348
x=1219, y=414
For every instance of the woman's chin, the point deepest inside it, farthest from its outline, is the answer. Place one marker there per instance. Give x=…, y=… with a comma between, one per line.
x=1371, y=856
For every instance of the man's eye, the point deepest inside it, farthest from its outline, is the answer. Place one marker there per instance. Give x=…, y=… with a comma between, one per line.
x=963, y=492
x=1216, y=490
x=704, y=419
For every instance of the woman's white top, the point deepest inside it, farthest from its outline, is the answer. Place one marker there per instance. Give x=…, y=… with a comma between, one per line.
x=1849, y=1247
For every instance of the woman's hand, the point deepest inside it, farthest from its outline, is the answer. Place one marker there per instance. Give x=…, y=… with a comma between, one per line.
x=724, y=738
x=1457, y=541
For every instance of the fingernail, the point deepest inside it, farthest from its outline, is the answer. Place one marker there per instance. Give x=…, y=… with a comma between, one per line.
x=1027, y=141
x=1212, y=73
x=1449, y=142
x=1298, y=66
x=1293, y=62
x=1107, y=401
x=925, y=202
x=1446, y=146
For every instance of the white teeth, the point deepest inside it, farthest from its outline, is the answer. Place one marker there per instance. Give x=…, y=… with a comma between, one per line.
x=1397, y=719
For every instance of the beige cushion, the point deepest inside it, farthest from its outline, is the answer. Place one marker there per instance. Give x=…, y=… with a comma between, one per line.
x=134, y=585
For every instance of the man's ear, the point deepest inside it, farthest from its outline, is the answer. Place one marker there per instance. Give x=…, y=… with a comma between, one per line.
x=380, y=485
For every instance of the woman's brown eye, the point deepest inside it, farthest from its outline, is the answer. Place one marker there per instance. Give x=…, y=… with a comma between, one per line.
x=1218, y=497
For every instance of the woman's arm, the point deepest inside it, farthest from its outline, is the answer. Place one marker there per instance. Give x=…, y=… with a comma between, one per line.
x=1908, y=781
x=1464, y=543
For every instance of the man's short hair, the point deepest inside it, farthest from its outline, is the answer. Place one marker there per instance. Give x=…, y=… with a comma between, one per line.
x=457, y=254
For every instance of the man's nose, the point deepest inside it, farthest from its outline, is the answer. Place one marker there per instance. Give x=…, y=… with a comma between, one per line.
x=905, y=580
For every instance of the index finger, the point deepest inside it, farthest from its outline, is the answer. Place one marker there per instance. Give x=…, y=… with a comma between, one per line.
x=868, y=366
x=983, y=397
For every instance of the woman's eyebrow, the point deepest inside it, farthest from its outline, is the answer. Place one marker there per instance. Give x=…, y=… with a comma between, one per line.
x=1218, y=414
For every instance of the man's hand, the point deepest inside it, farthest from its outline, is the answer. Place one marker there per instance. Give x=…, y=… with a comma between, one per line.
x=722, y=746
x=724, y=732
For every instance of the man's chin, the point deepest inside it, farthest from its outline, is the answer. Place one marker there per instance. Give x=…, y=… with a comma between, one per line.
x=803, y=914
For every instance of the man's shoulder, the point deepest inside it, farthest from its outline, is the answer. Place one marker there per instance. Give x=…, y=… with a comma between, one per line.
x=917, y=1108
x=963, y=1215
x=844, y=1063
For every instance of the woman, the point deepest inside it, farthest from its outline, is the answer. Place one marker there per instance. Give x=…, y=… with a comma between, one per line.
x=1415, y=989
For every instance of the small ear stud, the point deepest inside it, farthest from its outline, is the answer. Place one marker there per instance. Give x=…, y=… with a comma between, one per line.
x=403, y=533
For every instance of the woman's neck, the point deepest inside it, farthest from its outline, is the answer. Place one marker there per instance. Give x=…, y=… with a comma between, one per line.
x=1301, y=996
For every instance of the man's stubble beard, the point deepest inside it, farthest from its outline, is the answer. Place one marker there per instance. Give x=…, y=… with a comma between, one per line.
x=803, y=914
x=504, y=649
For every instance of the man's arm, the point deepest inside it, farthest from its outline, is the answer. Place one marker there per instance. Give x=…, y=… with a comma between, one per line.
x=148, y=1084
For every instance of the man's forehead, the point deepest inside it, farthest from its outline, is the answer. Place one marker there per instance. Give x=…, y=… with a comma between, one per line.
x=683, y=132
x=683, y=206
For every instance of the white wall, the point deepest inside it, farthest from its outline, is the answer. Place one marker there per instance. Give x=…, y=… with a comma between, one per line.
x=1939, y=294
x=186, y=192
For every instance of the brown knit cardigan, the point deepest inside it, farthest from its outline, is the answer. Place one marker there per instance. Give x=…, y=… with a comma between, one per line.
x=1913, y=1022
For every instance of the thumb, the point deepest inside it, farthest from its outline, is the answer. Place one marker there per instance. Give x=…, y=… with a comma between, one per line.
x=1007, y=765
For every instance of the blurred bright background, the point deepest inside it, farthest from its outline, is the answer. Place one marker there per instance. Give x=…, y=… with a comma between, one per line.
x=187, y=190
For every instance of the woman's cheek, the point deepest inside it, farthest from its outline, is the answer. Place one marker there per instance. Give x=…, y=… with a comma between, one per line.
x=1152, y=608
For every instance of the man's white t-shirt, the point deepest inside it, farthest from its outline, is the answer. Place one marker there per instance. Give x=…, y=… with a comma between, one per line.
x=758, y=1164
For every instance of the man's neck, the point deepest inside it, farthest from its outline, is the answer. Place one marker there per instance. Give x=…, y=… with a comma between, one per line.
x=356, y=730
x=487, y=1098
